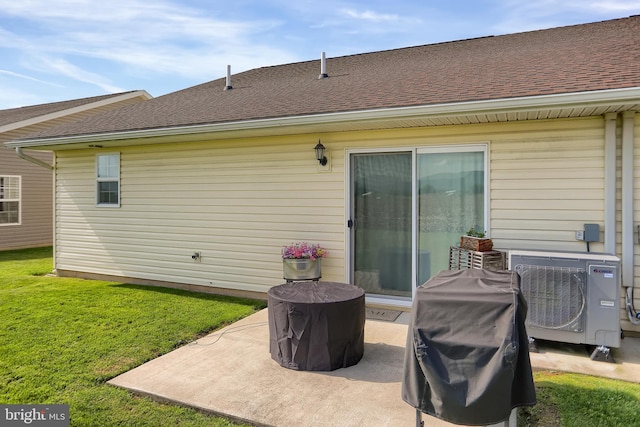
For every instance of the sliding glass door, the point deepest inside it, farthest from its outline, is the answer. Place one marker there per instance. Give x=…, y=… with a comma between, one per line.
x=407, y=209
x=381, y=222
x=451, y=199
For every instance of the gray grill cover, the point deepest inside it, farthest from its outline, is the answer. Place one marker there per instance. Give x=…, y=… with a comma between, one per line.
x=467, y=356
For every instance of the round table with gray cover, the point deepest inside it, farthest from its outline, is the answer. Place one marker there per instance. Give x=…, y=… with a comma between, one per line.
x=316, y=326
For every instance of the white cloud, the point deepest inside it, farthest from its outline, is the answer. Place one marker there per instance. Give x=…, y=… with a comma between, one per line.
x=553, y=11
x=525, y=15
x=368, y=15
x=145, y=37
x=69, y=70
x=614, y=6
x=25, y=77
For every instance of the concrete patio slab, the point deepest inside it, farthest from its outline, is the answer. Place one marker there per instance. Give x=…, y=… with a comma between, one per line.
x=230, y=372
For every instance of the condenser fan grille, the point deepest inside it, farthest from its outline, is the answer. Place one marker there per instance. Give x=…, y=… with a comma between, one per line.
x=555, y=296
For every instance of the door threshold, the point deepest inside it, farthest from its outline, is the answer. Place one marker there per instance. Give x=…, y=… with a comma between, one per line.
x=380, y=301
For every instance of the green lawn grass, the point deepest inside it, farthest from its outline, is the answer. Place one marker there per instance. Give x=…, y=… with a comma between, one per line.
x=61, y=339
x=574, y=400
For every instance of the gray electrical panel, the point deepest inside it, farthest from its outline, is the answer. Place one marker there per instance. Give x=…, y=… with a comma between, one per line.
x=591, y=233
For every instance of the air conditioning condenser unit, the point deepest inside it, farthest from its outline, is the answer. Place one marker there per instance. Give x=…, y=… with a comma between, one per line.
x=572, y=297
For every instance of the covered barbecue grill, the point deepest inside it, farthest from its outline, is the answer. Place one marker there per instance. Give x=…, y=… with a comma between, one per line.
x=467, y=358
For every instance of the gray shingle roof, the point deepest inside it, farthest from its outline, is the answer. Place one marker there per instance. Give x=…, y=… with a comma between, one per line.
x=589, y=57
x=15, y=115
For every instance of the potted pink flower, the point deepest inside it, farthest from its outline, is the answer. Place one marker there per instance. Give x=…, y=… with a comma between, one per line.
x=301, y=261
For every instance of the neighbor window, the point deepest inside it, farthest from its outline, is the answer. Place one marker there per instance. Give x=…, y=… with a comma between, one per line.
x=108, y=180
x=9, y=200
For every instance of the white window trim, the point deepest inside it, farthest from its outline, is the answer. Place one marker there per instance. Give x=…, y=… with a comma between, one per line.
x=110, y=179
x=19, y=200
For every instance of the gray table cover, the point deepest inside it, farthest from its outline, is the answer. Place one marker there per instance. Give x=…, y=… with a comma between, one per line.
x=316, y=326
x=467, y=357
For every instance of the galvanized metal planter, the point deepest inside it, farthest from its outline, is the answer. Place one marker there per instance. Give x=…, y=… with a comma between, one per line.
x=301, y=269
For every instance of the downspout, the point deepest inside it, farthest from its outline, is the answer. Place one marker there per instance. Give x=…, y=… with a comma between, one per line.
x=39, y=162
x=610, y=182
x=32, y=159
x=628, y=233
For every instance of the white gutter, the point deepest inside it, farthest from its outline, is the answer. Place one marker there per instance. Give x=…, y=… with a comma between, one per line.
x=628, y=233
x=522, y=104
x=32, y=159
x=610, y=125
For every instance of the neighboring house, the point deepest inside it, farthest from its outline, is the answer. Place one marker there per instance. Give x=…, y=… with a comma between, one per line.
x=529, y=136
x=26, y=188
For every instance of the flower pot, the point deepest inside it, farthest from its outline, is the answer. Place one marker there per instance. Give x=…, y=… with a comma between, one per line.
x=301, y=269
x=479, y=244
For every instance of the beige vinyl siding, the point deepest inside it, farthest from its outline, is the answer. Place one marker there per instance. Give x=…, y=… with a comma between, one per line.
x=545, y=185
x=236, y=203
x=36, y=204
x=546, y=178
x=239, y=201
x=36, y=227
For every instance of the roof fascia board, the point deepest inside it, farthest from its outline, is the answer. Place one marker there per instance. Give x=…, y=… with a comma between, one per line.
x=80, y=108
x=582, y=99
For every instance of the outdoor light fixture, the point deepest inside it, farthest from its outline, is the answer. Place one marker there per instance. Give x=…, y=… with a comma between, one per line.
x=322, y=159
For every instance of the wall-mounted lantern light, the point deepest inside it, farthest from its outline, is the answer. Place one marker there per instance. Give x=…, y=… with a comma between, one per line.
x=322, y=159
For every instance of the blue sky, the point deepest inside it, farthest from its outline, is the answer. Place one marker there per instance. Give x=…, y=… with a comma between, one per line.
x=54, y=50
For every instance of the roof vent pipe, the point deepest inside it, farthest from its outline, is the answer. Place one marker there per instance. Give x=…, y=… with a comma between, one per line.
x=228, y=86
x=323, y=67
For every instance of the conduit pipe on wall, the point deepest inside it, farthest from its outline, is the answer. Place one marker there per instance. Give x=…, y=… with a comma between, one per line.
x=628, y=232
x=32, y=159
x=610, y=125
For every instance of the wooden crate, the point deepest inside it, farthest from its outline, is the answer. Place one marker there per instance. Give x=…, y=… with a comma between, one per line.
x=460, y=259
x=480, y=244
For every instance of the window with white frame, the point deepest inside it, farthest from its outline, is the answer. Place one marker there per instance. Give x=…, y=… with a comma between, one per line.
x=108, y=180
x=9, y=200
